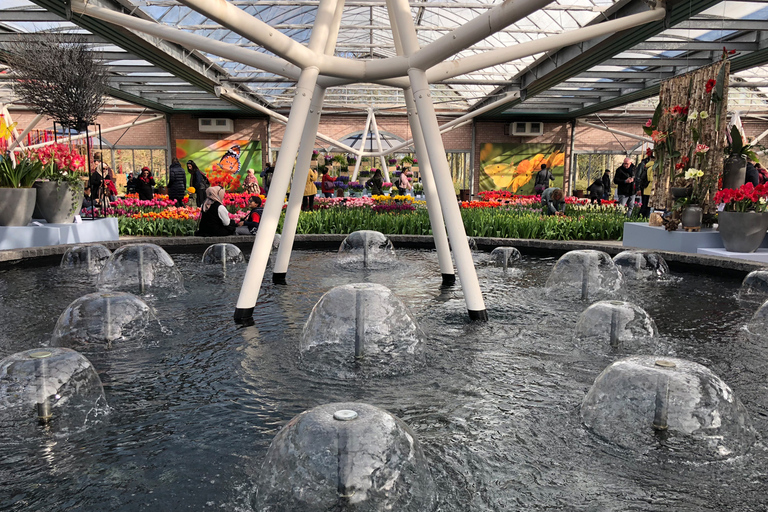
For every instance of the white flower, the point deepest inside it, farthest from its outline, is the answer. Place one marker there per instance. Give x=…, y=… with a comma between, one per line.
x=763, y=200
x=693, y=115
x=703, y=115
x=693, y=173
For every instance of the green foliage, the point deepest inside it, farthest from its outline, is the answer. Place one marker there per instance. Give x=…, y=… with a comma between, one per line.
x=21, y=175
x=129, y=226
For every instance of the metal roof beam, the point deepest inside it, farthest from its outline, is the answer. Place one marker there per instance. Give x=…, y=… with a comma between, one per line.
x=683, y=46
x=35, y=16
x=723, y=24
x=656, y=61
x=373, y=3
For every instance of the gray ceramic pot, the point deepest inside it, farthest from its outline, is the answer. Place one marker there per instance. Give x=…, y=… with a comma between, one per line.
x=58, y=202
x=692, y=216
x=742, y=232
x=734, y=171
x=16, y=206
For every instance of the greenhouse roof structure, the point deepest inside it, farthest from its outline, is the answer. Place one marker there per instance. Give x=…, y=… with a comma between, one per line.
x=561, y=83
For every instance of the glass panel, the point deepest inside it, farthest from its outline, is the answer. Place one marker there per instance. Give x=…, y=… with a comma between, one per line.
x=124, y=161
x=459, y=164
x=143, y=158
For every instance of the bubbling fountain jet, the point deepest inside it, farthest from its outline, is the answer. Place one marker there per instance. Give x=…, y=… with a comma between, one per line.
x=224, y=255
x=345, y=456
x=53, y=385
x=361, y=329
x=590, y=275
x=90, y=258
x=620, y=324
x=369, y=248
x=646, y=402
x=502, y=256
x=641, y=265
x=141, y=269
x=102, y=319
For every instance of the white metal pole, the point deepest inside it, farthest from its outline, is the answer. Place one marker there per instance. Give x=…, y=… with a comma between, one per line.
x=20, y=138
x=297, y=188
x=382, y=160
x=362, y=144
x=436, y=151
x=430, y=192
x=107, y=130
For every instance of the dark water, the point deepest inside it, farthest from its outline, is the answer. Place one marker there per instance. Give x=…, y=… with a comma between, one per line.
x=496, y=411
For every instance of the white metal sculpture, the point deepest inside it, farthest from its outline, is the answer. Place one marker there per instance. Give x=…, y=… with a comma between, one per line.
x=316, y=68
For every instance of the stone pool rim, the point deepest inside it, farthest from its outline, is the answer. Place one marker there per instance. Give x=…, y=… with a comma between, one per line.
x=678, y=261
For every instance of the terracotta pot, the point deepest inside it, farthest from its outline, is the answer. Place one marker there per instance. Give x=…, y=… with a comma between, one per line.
x=742, y=232
x=58, y=203
x=16, y=206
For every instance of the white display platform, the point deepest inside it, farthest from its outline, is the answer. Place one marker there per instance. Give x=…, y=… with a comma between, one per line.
x=760, y=255
x=33, y=235
x=643, y=236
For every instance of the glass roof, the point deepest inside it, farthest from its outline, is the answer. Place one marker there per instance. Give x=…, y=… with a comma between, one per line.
x=566, y=82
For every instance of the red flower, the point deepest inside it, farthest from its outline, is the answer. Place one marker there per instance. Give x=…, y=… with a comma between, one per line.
x=710, y=85
x=649, y=153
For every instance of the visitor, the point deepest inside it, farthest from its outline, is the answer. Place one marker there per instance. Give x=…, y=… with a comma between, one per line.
x=553, y=201
x=607, y=184
x=763, y=172
x=543, y=177
x=327, y=184
x=250, y=224
x=104, y=169
x=752, y=175
x=145, y=185
x=110, y=191
x=87, y=207
x=198, y=181
x=96, y=183
x=177, y=182
x=266, y=176
x=376, y=183
x=625, y=179
x=596, y=191
x=251, y=183
x=130, y=184
x=404, y=184
x=641, y=183
x=214, y=217
x=308, y=201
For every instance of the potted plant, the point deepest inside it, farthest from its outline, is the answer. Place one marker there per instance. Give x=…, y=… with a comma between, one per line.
x=743, y=221
x=161, y=185
x=735, y=163
x=17, y=197
x=351, y=159
x=315, y=154
x=60, y=187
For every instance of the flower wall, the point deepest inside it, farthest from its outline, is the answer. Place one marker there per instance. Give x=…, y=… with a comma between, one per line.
x=692, y=112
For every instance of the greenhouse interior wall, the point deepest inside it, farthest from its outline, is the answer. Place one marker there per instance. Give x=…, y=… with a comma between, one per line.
x=593, y=149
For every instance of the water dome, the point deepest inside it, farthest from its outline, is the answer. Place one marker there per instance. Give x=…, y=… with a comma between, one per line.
x=759, y=323
x=102, y=319
x=649, y=403
x=90, y=258
x=141, y=269
x=640, y=265
x=617, y=324
x=50, y=385
x=504, y=256
x=361, y=329
x=345, y=456
x=755, y=284
x=371, y=249
x=590, y=275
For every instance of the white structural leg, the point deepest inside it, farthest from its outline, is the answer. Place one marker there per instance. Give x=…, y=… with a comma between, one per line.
x=442, y=174
x=363, y=138
x=297, y=190
x=430, y=192
x=382, y=157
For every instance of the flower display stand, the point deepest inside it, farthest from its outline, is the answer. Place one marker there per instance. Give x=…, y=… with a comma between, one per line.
x=41, y=234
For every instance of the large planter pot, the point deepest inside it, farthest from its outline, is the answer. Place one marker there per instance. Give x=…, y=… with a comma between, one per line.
x=734, y=171
x=58, y=203
x=678, y=192
x=692, y=216
x=742, y=232
x=16, y=206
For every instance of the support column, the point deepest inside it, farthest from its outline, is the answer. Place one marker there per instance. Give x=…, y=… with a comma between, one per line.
x=430, y=192
x=382, y=160
x=262, y=245
x=297, y=190
x=362, y=145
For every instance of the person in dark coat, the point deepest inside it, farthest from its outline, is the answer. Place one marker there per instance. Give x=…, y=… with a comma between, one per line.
x=553, y=201
x=607, y=184
x=543, y=177
x=250, y=224
x=625, y=179
x=752, y=175
x=641, y=183
x=214, y=217
x=198, y=181
x=177, y=182
x=376, y=183
x=596, y=191
x=266, y=176
x=145, y=185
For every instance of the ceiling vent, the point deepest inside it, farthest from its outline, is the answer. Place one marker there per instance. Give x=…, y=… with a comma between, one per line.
x=215, y=125
x=527, y=129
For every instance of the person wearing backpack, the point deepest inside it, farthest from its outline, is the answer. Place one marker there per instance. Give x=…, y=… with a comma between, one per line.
x=198, y=181
x=543, y=177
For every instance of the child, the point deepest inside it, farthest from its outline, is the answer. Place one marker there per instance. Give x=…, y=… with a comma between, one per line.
x=250, y=223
